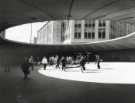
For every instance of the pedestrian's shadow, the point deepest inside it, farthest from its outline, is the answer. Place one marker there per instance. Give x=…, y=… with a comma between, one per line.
x=72, y=70
x=93, y=71
x=108, y=68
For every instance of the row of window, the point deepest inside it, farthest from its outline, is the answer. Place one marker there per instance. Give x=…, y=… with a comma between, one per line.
x=77, y=35
x=77, y=25
x=90, y=35
x=101, y=35
x=101, y=24
x=89, y=25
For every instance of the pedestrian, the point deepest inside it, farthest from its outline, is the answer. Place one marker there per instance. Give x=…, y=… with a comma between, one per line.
x=31, y=62
x=63, y=62
x=57, y=62
x=44, y=62
x=98, y=60
x=82, y=63
x=25, y=68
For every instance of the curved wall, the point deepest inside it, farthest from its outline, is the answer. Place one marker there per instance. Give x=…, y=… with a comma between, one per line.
x=118, y=55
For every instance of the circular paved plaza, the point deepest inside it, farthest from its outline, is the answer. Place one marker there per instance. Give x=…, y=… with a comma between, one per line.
x=110, y=72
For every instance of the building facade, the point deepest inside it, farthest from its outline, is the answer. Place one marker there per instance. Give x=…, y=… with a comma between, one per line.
x=118, y=29
x=50, y=33
x=82, y=31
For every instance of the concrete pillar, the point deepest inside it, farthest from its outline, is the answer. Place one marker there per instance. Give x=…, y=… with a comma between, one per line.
x=72, y=30
x=83, y=29
x=96, y=29
x=107, y=29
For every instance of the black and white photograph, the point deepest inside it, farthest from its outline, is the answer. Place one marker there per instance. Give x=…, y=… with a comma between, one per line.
x=67, y=51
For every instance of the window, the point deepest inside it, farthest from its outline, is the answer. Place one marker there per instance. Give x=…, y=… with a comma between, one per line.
x=93, y=35
x=89, y=35
x=102, y=24
x=77, y=25
x=93, y=25
x=89, y=25
x=86, y=25
x=85, y=35
x=77, y=35
x=101, y=34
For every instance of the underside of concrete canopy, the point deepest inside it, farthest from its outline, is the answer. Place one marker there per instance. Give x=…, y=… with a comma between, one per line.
x=16, y=12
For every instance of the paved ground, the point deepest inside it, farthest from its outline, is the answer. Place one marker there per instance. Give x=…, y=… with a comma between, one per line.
x=122, y=73
x=43, y=89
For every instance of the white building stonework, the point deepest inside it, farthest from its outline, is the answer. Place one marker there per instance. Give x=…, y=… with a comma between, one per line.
x=81, y=31
x=50, y=33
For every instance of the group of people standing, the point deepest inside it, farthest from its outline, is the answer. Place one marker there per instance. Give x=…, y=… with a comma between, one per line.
x=54, y=60
x=63, y=61
x=60, y=62
x=84, y=60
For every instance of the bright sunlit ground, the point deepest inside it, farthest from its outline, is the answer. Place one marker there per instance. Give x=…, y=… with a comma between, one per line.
x=110, y=72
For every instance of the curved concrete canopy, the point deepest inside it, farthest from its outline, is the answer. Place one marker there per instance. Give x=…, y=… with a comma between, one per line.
x=121, y=43
x=15, y=12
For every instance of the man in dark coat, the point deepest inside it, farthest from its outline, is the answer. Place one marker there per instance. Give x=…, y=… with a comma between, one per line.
x=82, y=63
x=63, y=62
x=25, y=68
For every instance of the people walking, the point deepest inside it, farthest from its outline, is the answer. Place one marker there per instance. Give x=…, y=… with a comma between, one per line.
x=25, y=68
x=98, y=60
x=63, y=62
x=57, y=62
x=82, y=63
x=31, y=62
x=44, y=62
